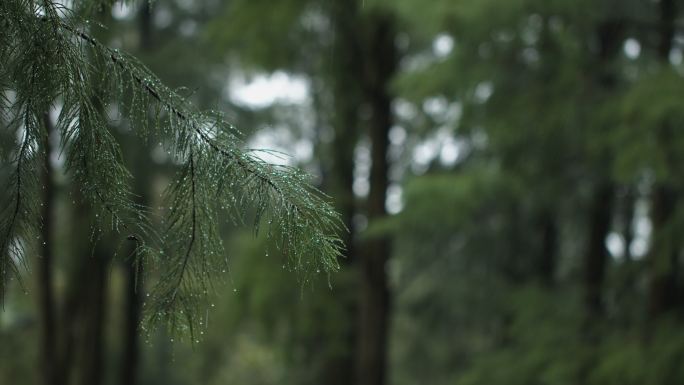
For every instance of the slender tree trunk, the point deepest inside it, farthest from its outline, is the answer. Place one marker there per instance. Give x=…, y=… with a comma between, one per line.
x=133, y=267
x=345, y=71
x=597, y=255
x=348, y=96
x=129, y=366
x=93, y=338
x=375, y=297
x=664, y=254
x=145, y=25
x=609, y=36
x=82, y=348
x=45, y=267
x=90, y=350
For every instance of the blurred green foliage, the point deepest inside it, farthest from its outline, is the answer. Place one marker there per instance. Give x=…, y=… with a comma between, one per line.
x=510, y=116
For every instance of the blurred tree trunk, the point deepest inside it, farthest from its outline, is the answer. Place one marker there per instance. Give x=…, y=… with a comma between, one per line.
x=47, y=306
x=82, y=341
x=597, y=255
x=347, y=94
x=88, y=295
x=381, y=64
x=132, y=266
x=131, y=355
x=345, y=69
x=92, y=342
x=664, y=253
x=609, y=38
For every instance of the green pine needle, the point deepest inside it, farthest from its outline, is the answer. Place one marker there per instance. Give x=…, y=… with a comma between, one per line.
x=48, y=58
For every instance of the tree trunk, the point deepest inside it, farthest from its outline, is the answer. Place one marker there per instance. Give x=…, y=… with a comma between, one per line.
x=596, y=257
x=133, y=275
x=338, y=366
x=664, y=254
x=93, y=261
x=45, y=267
x=374, y=297
x=95, y=301
x=348, y=96
x=132, y=266
x=82, y=325
x=609, y=36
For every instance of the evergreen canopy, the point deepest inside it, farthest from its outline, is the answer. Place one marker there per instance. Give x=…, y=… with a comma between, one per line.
x=49, y=61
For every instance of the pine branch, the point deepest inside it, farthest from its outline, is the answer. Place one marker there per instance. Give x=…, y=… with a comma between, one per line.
x=218, y=175
x=193, y=235
x=6, y=263
x=156, y=95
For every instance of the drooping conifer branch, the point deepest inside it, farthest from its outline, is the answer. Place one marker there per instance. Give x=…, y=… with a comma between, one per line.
x=218, y=175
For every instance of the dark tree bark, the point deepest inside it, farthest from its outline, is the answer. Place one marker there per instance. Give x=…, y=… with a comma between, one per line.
x=132, y=266
x=597, y=255
x=609, y=39
x=145, y=25
x=375, y=297
x=47, y=306
x=95, y=301
x=89, y=294
x=133, y=291
x=82, y=324
x=344, y=66
x=664, y=254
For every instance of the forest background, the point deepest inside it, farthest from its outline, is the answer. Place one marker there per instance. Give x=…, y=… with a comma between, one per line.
x=510, y=173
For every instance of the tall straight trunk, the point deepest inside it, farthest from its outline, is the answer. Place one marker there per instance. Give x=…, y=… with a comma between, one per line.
x=381, y=63
x=95, y=309
x=597, y=256
x=133, y=271
x=94, y=261
x=609, y=35
x=343, y=64
x=132, y=266
x=46, y=293
x=82, y=343
x=664, y=254
x=346, y=70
